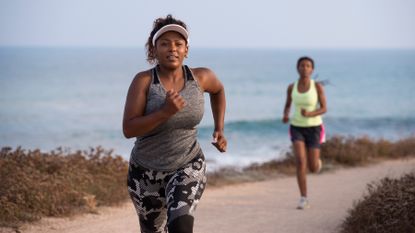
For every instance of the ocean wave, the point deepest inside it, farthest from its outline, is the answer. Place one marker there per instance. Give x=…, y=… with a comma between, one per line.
x=334, y=125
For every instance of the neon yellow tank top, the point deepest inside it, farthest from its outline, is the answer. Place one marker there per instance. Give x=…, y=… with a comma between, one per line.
x=307, y=100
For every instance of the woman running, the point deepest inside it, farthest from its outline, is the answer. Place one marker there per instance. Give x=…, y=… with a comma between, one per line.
x=164, y=105
x=306, y=125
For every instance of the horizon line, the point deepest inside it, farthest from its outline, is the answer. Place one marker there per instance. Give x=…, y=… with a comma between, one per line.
x=203, y=47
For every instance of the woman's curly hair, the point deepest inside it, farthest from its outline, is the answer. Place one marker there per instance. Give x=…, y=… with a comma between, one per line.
x=159, y=23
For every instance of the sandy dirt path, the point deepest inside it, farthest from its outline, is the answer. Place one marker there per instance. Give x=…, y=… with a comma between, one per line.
x=266, y=206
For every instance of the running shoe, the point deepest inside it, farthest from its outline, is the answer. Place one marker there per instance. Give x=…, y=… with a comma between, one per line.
x=303, y=204
x=320, y=165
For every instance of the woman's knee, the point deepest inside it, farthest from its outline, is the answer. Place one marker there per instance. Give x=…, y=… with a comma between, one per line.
x=182, y=224
x=313, y=168
x=314, y=160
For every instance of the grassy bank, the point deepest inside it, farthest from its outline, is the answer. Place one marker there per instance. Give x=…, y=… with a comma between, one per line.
x=58, y=183
x=34, y=184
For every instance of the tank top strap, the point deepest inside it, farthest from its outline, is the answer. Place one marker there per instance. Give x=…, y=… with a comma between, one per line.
x=188, y=73
x=155, y=76
x=295, y=87
x=313, y=84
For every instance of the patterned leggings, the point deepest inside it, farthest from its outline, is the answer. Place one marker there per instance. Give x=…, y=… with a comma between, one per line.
x=161, y=197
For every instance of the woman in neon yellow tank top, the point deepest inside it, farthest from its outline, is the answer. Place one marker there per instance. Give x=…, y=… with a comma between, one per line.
x=306, y=125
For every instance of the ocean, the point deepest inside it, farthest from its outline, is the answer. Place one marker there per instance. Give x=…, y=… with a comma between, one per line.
x=74, y=97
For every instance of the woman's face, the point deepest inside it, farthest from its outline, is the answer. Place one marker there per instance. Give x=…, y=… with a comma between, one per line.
x=305, y=68
x=171, y=49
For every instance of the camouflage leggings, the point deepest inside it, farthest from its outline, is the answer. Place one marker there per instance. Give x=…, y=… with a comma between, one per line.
x=161, y=197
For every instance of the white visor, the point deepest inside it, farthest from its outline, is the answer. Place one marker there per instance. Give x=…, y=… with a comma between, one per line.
x=171, y=27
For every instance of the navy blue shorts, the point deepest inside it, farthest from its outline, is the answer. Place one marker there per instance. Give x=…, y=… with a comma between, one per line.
x=313, y=136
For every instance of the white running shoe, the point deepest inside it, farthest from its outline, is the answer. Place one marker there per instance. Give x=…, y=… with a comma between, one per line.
x=303, y=204
x=320, y=165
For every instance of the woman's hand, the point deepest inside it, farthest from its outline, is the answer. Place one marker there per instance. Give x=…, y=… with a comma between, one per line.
x=219, y=141
x=285, y=119
x=174, y=103
x=304, y=113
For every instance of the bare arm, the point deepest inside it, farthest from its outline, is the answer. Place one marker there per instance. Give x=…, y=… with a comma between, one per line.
x=134, y=122
x=286, y=116
x=211, y=84
x=322, y=102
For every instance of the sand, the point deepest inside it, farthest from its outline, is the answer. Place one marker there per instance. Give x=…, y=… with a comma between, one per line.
x=266, y=206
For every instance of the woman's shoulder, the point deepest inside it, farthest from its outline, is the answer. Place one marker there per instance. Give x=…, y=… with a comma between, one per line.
x=201, y=71
x=145, y=74
x=142, y=79
x=319, y=86
x=203, y=75
x=290, y=87
x=206, y=79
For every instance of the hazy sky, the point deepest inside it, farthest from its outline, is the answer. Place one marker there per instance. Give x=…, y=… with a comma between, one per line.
x=212, y=23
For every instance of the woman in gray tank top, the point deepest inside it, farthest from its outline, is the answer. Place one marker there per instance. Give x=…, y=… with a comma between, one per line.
x=164, y=105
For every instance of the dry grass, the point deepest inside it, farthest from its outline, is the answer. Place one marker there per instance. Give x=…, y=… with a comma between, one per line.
x=389, y=206
x=58, y=183
x=349, y=151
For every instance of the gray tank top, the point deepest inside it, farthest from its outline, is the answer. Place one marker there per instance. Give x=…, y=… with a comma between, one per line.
x=173, y=143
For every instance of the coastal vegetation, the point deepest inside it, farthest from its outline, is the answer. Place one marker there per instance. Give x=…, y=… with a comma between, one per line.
x=61, y=182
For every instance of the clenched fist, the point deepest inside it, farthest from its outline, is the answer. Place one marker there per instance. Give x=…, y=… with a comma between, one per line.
x=174, y=103
x=219, y=141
